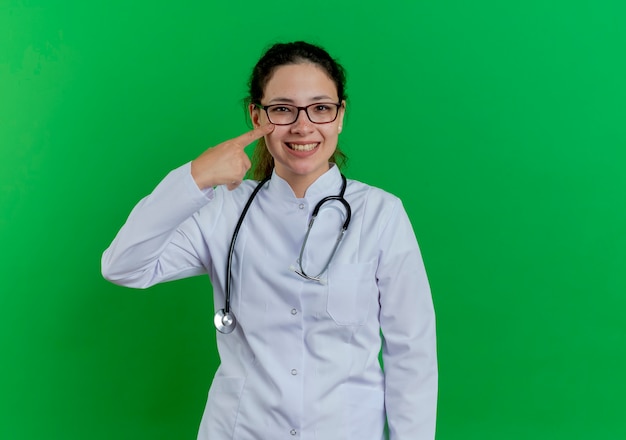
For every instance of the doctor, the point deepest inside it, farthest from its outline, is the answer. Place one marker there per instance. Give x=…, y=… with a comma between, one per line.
x=299, y=358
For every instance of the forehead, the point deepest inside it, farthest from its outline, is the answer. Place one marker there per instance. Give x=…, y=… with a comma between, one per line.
x=300, y=82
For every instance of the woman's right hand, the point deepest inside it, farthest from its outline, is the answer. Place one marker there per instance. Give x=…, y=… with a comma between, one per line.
x=226, y=163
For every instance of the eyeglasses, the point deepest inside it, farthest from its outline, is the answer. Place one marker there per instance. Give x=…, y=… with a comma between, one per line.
x=285, y=114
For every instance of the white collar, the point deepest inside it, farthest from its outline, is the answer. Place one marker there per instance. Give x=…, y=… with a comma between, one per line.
x=328, y=183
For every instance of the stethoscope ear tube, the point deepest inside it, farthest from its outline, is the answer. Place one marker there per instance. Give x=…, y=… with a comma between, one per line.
x=300, y=270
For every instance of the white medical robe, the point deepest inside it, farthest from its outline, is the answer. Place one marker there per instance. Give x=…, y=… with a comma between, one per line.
x=303, y=362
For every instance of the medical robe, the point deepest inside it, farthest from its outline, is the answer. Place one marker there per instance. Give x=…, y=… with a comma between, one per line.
x=303, y=361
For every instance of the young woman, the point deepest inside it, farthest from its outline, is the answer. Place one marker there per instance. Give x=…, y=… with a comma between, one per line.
x=308, y=271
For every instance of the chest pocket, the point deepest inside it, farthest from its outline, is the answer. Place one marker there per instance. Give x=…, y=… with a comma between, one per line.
x=351, y=290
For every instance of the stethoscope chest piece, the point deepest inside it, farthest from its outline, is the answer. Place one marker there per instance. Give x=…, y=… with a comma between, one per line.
x=225, y=322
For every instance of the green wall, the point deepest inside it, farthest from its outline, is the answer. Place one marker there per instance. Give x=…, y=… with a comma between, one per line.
x=502, y=125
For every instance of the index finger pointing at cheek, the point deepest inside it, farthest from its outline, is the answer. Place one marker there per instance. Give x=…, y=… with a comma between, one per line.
x=247, y=138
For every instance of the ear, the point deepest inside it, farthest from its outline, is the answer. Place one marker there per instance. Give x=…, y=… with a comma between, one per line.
x=342, y=113
x=255, y=115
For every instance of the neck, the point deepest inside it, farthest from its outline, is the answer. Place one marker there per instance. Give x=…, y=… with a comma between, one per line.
x=300, y=183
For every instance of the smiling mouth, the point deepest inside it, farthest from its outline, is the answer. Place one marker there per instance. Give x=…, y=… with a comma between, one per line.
x=303, y=147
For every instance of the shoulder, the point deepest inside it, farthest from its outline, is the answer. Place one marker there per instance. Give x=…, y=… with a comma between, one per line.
x=371, y=195
x=376, y=208
x=226, y=204
x=238, y=195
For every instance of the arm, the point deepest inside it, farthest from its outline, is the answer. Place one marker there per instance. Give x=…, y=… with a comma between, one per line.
x=408, y=325
x=161, y=240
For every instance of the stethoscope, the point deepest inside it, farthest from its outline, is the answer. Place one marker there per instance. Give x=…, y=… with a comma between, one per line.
x=225, y=321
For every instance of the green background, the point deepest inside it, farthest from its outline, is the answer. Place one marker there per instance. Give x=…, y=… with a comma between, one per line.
x=502, y=126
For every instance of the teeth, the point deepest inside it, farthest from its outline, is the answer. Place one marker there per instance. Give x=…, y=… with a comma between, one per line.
x=302, y=147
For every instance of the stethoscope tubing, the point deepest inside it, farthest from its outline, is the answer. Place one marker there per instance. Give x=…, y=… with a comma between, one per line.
x=231, y=250
x=225, y=321
x=344, y=227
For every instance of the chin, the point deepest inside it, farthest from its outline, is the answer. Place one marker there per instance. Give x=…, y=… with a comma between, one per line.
x=314, y=169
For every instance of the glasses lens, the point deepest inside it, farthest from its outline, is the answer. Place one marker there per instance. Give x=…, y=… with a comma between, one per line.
x=282, y=114
x=322, y=113
x=319, y=113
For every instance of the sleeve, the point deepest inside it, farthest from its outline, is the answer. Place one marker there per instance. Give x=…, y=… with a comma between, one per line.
x=161, y=239
x=407, y=320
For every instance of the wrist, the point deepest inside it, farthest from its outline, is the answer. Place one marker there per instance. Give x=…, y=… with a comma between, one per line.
x=200, y=178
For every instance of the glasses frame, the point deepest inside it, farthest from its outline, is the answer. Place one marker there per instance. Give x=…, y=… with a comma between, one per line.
x=306, y=111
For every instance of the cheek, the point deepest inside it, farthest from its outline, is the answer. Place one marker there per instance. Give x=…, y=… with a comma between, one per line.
x=331, y=134
x=273, y=141
x=276, y=136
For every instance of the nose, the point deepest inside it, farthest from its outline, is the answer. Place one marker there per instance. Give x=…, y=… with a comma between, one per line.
x=302, y=123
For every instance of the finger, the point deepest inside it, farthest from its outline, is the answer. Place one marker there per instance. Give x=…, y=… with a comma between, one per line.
x=246, y=164
x=247, y=138
x=233, y=185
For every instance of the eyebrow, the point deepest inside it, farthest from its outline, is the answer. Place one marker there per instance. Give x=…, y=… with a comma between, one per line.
x=291, y=101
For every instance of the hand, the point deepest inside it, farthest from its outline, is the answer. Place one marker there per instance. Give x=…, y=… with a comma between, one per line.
x=226, y=163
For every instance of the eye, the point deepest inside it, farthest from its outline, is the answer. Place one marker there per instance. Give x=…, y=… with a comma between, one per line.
x=321, y=108
x=280, y=109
